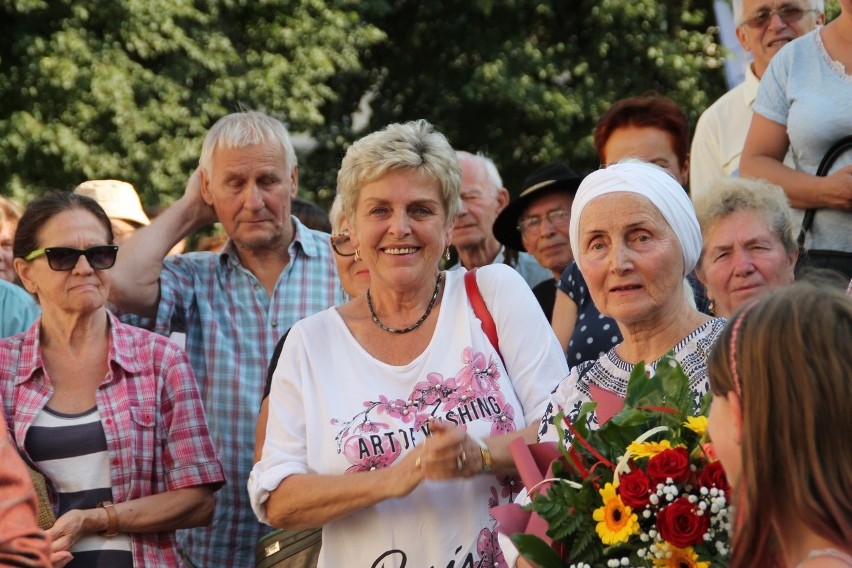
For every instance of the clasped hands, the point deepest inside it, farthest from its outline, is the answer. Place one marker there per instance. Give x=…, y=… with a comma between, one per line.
x=448, y=453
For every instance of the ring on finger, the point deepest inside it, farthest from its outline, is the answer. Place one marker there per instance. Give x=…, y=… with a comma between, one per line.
x=461, y=460
x=417, y=462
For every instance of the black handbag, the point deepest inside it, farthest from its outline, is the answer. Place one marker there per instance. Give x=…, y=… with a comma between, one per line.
x=832, y=259
x=289, y=549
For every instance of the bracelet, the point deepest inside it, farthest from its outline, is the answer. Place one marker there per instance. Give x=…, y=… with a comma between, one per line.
x=485, y=453
x=112, y=518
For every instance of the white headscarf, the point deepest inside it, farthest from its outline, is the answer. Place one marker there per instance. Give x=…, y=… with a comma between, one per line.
x=653, y=183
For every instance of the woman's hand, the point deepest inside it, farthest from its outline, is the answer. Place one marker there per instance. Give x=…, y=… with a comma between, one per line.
x=73, y=525
x=60, y=558
x=838, y=189
x=311, y=500
x=449, y=453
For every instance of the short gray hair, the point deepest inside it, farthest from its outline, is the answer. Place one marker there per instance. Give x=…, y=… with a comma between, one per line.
x=730, y=195
x=491, y=172
x=739, y=16
x=241, y=129
x=414, y=145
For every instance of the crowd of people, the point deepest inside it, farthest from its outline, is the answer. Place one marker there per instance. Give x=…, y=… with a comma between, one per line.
x=173, y=407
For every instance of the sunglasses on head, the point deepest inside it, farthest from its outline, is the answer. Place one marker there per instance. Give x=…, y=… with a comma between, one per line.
x=64, y=258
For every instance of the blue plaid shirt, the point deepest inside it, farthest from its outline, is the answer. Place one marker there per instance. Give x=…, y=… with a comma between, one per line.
x=231, y=327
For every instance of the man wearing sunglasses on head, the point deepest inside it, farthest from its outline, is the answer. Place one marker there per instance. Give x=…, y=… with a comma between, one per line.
x=233, y=305
x=763, y=27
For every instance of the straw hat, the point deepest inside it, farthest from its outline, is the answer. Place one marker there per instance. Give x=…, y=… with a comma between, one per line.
x=118, y=198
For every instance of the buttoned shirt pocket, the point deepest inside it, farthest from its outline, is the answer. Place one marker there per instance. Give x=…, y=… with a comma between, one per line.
x=143, y=442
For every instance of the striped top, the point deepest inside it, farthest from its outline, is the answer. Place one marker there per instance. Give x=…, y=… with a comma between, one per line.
x=71, y=449
x=151, y=415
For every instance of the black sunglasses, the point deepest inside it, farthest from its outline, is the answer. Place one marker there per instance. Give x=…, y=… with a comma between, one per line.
x=64, y=258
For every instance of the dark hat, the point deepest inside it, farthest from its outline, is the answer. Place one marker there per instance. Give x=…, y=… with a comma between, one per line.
x=551, y=178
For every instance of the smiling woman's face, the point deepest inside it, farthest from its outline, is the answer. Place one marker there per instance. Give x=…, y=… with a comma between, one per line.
x=400, y=227
x=630, y=257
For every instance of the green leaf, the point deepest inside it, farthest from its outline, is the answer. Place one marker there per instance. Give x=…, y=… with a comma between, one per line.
x=535, y=549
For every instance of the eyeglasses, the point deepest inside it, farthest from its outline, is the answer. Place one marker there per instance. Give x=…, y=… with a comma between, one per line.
x=788, y=15
x=64, y=258
x=531, y=226
x=342, y=245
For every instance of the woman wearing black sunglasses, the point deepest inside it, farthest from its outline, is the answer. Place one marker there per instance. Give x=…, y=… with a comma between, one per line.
x=108, y=413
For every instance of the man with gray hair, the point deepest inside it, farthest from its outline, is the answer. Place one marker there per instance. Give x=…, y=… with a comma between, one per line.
x=763, y=27
x=233, y=305
x=482, y=198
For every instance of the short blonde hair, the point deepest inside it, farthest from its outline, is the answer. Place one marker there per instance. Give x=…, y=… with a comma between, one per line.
x=414, y=145
x=730, y=195
x=335, y=214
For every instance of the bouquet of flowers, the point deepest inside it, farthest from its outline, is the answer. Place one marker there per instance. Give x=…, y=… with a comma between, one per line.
x=642, y=490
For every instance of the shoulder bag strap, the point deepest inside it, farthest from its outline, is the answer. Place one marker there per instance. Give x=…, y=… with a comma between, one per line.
x=833, y=153
x=474, y=296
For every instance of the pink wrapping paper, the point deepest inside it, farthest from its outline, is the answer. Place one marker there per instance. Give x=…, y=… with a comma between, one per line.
x=534, y=465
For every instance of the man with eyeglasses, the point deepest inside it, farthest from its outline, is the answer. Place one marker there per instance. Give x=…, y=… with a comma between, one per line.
x=763, y=27
x=233, y=305
x=482, y=198
x=537, y=222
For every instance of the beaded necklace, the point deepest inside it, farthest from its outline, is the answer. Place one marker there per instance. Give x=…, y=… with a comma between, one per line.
x=416, y=324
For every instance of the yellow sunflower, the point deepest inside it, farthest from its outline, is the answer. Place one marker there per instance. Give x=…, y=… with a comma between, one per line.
x=697, y=424
x=648, y=449
x=681, y=558
x=616, y=521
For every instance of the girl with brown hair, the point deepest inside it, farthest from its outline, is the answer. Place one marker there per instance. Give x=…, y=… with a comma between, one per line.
x=780, y=423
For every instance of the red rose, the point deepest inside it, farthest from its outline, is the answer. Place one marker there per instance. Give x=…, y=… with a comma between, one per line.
x=672, y=463
x=713, y=475
x=680, y=526
x=635, y=488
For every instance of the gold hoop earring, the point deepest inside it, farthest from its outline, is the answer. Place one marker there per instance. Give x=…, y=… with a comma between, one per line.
x=357, y=254
x=447, y=254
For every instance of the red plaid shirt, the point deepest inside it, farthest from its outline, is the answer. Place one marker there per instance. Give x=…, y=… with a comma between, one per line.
x=151, y=414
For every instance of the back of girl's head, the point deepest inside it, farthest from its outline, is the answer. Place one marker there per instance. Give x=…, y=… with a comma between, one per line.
x=650, y=111
x=793, y=367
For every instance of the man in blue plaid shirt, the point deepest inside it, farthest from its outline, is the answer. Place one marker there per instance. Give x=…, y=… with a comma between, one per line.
x=234, y=305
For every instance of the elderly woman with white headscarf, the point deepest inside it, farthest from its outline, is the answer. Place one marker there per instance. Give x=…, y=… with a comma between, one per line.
x=635, y=237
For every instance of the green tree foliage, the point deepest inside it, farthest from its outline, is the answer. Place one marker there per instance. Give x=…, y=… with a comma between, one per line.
x=127, y=88
x=523, y=81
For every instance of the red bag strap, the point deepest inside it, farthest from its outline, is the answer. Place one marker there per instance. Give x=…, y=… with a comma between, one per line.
x=474, y=296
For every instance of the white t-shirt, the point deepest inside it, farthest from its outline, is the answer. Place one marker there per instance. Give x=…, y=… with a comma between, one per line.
x=334, y=409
